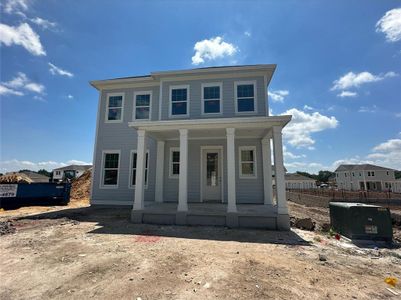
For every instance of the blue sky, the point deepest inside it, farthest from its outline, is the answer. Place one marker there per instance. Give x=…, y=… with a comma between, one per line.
x=323, y=50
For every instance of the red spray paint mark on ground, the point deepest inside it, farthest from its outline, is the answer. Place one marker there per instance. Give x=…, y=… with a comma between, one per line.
x=147, y=238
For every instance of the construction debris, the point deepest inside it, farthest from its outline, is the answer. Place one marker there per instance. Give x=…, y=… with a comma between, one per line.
x=15, y=178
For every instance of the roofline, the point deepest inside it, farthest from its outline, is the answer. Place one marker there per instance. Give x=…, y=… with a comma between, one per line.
x=154, y=76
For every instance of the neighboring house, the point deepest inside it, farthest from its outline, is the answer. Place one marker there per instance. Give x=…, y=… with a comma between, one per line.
x=36, y=177
x=332, y=181
x=299, y=182
x=191, y=147
x=69, y=172
x=366, y=177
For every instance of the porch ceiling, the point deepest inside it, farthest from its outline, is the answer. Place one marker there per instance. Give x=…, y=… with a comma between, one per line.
x=256, y=127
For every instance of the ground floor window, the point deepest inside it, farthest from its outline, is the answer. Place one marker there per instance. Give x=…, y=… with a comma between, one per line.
x=174, y=162
x=247, y=159
x=133, y=168
x=111, y=164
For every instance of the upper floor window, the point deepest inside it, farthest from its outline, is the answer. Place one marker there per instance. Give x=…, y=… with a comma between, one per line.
x=142, y=105
x=373, y=173
x=111, y=164
x=115, y=108
x=174, y=162
x=247, y=165
x=245, y=96
x=133, y=168
x=211, y=98
x=58, y=173
x=368, y=173
x=179, y=100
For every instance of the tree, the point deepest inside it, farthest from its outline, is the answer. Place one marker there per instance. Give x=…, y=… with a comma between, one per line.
x=45, y=172
x=323, y=176
x=397, y=174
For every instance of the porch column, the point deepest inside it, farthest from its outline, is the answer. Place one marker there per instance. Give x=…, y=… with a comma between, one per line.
x=283, y=221
x=267, y=171
x=231, y=192
x=159, y=171
x=183, y=177
x=140, y=170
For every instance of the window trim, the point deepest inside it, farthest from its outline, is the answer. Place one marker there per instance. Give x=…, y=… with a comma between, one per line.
x=244, y=176
x=131, y=157
x=150, y=105
x=102, y=185
x=108, y=95
x=171, y=88
x=211, y=84
x=255, y=98
x=170, y=159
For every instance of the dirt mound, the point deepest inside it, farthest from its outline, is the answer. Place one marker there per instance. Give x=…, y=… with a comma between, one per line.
x=80, y=187
x=15, y=178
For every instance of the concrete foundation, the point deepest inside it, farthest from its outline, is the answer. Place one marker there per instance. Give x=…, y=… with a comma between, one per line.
x=213, y=214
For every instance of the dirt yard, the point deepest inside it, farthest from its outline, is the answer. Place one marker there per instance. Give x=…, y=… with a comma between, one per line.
x=77, y=252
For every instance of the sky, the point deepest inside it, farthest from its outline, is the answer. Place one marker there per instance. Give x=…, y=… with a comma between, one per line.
x=338, y=71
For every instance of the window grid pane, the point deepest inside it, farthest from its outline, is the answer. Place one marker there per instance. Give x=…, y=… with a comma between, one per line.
x=179, y=95
x=211, y=92
x=211, y=106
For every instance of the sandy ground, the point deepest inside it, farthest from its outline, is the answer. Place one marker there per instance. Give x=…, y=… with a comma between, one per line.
x=78, y=253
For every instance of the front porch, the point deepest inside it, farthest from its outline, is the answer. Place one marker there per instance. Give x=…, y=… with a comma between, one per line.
x=212, y=214
x=216, y=150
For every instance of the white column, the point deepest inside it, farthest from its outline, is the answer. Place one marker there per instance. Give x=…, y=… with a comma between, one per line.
x=279, y=171
x=232, y=202
x=159, y=171
x=183, y=177
x=267, y=171
x=140, y=170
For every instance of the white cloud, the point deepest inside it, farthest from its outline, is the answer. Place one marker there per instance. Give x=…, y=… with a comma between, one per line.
x=247, y=33
x=45, y=24
x=368, y=109
x=389, y=146
x=15, y=6
x=307, y=107
x=16, y=165
x=69, y=96
x=7, y=91
x=58, y=71
x=212, y=49
x=22, y=82
x=39, y=98
x=390, y=25
x=290, y=155
x=298, y=132
x=355, y=80
x=24, y=36
x=279, y=95
x=344, y=94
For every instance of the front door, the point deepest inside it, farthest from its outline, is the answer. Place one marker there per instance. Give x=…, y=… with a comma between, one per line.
x=211, y=175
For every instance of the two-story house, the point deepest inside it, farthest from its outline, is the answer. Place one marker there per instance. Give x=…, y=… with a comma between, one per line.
x=69, y=172
x=191, y=147
x=365, y=177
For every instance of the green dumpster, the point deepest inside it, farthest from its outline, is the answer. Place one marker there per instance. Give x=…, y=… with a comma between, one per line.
x=359, y=221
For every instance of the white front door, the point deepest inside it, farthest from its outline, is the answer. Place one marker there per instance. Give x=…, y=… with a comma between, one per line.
x=211, y=174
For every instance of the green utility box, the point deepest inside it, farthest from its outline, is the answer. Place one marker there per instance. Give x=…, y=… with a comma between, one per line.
x=359, y=221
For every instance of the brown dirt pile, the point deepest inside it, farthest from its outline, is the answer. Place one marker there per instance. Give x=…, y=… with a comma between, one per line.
x=80, y=187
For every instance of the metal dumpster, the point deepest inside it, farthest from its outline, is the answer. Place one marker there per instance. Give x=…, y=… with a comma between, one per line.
x=22, y=194
x=359, y=221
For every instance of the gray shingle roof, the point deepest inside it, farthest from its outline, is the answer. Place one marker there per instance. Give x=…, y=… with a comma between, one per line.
x=361, y=167
x=296, y=176
x=74, y=167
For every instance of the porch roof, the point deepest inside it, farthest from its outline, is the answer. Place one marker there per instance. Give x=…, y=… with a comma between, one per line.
x=246, y=126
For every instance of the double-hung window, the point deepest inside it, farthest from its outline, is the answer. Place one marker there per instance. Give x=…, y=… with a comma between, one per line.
x=211, y=98
x=247, y=162
x=245, y=96
x=115, y=108
x=142, y=105
x=174, y=162
x=111, y=164
x=133, y=168
x=179, y=100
